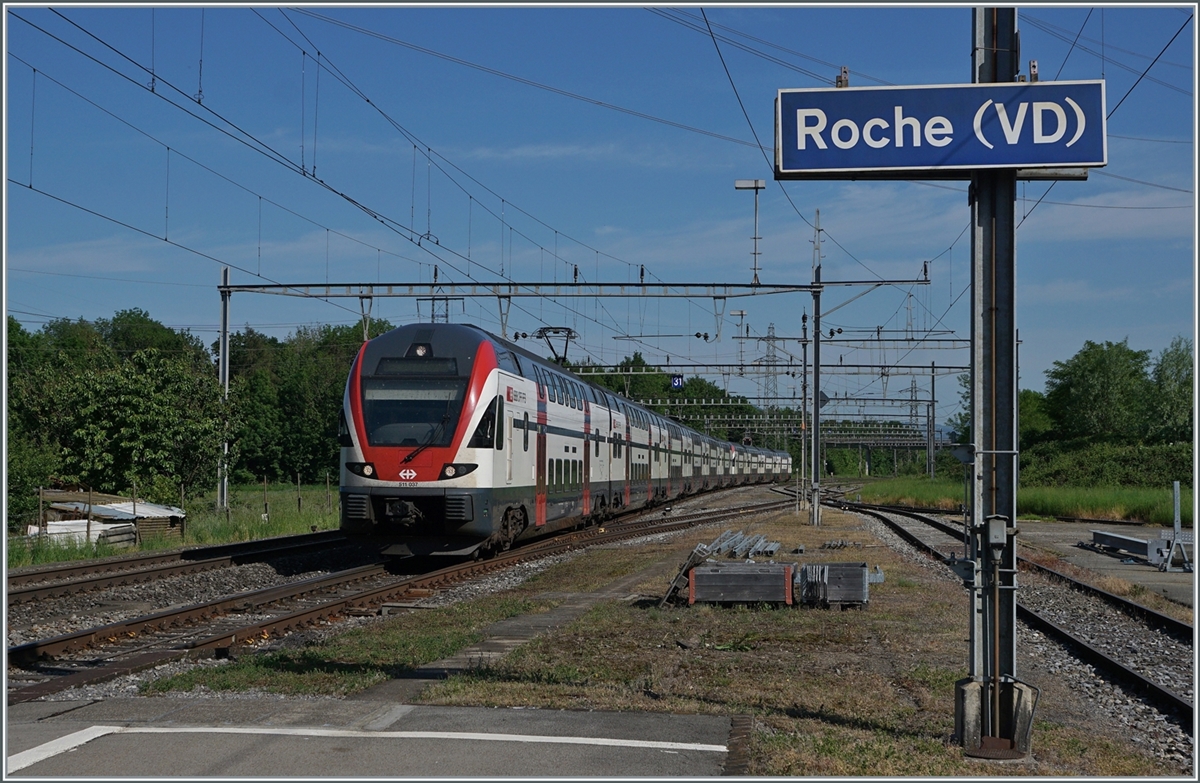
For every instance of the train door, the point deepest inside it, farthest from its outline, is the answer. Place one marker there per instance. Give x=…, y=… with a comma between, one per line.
x=603, y=448
x=540, y=453
x=629, y=458
x=508, y=447
x=512, y=399
x=586, y=476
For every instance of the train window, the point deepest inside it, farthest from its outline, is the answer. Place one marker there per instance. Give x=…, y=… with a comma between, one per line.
x=597, y=444
x=398, y=365
x=505, y=360
x=574, y=472
x=485, y=434
x=525, y=429
x=411, y=411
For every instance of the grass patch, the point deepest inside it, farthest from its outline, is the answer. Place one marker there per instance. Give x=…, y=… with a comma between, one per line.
x=357, y=659
x=288, y=513
x=1152, y=506
x=916, y=491
x=35, y=550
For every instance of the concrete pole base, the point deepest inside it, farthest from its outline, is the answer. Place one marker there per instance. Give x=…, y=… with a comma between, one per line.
x=973, y=698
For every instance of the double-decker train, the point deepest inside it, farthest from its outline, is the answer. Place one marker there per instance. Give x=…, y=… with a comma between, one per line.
x=458, y=442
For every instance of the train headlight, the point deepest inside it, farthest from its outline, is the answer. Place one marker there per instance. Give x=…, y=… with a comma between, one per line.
x=456, y=469
x=364, y=469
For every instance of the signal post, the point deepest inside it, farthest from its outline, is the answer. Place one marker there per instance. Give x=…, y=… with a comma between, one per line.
x=992, y=132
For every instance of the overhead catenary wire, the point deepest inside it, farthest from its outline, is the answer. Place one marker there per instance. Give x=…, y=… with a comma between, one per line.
x=229, y=180
x=1073, y=42
x=784, y=49
x=144, y=232
x=787, y=195
x=430, y=153
x=245, y=138
x=1114, y=109
x=522, y=80
x=1038, y=24
x=519, y=246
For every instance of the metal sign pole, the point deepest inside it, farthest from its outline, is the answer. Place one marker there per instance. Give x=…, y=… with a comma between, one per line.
x=816, y=409
x=223, y=468
x=993, y=710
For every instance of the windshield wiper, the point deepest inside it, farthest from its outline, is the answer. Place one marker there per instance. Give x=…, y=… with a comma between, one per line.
x=428, y=441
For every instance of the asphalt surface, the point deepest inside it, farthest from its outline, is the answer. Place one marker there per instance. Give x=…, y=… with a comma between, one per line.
x=275, y=737
x=1063, y=538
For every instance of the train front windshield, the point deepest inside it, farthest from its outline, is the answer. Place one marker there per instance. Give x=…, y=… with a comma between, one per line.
x=408, y=404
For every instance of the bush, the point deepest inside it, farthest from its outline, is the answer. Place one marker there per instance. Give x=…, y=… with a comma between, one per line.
x=1090, y=464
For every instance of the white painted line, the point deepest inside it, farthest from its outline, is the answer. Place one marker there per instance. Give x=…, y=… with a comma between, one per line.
x=19, y=761
x=300, y=731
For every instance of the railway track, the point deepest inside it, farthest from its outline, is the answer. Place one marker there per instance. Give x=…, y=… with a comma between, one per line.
x=213, y=627
x=71, y=578
x=1146, y=651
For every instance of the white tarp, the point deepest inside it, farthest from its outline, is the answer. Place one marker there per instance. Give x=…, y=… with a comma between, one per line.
x=77, y=530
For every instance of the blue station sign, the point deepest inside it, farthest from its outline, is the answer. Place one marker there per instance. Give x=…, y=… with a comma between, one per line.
x=838, y=131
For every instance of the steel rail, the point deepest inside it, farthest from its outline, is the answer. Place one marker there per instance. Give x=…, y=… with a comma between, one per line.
x=78, y=640
x=1160, y=696
x=1177, y=629
x=1163, y=698
x=645, y=524
x=64, y=571
x=462, y=571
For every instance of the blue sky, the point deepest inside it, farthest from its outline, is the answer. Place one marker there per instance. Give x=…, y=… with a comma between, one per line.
x=542, y=139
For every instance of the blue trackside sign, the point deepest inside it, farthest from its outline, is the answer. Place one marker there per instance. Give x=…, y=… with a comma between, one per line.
x=940, y=127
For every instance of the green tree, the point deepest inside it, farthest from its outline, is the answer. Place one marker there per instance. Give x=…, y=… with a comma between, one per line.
x=30, y=456
x=259, y=435
x=154, y=421
x=130, y=331
x=1033, y=422
x=1172, y=404
x=1102, y=392
x=960, y=422
x=287, y=395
